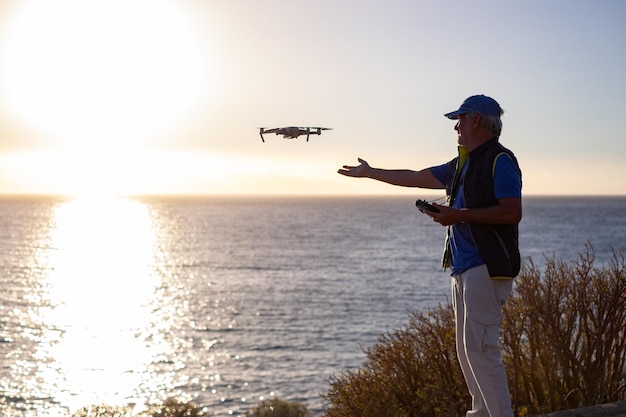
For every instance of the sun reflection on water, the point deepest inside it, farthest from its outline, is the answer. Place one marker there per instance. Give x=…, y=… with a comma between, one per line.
x=101, y=289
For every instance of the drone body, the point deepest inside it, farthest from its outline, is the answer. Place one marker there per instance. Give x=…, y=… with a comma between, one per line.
x=292, y=132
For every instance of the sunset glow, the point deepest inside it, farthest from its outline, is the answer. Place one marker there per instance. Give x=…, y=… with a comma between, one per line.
x=160, y=97
x=102, y=72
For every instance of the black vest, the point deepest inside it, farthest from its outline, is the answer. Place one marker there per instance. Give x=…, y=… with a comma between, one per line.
x=497, y=243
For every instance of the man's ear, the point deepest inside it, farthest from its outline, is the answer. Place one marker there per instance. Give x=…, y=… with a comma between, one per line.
x=476, y=121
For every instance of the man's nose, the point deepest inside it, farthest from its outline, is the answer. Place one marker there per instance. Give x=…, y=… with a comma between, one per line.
x=456, y=126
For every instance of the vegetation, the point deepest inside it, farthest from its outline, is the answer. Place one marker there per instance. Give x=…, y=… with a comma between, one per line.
x=563, y=344
x=171, y=407
x=175, y=408
x=563, y=335
x=410, y=372
x=279, y=408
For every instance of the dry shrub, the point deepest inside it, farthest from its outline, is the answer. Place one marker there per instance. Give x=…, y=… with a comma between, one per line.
x=562, y=340
x=278, y=408
x=103, y=410
x=563, y=334
x=410, y=372
x=171, y=407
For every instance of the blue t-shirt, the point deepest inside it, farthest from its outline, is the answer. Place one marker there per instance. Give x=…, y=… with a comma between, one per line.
x=507, y=183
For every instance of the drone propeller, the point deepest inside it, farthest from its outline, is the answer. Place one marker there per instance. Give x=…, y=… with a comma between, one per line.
x=318, y=130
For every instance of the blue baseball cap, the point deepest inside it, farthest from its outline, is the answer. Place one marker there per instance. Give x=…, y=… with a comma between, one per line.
x=479, y=104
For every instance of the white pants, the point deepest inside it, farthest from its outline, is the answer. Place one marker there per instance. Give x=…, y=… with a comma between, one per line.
x=477, y=300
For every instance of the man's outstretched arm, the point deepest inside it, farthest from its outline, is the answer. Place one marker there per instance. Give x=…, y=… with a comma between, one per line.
x=400, y=177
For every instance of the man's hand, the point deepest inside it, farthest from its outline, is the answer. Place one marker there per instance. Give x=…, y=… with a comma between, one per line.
x=507, y=211
x=361, y=170
x=447, y=216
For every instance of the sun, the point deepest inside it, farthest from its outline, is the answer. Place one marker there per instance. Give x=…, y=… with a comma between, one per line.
x=114, y=71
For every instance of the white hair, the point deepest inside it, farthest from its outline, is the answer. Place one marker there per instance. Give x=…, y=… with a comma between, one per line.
x=492, y=124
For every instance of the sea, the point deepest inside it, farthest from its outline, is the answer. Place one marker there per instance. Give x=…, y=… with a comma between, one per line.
x=226, y=301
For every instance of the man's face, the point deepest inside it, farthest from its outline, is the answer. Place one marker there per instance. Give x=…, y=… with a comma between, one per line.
x=464, y=128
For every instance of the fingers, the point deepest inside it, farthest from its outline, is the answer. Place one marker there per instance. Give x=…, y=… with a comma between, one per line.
x=346, y=170
x=353, y=171
x=349, y=167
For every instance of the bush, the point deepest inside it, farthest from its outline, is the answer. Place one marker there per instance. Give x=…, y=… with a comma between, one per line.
x=278, y=408
x=563, y=344
x=563, y=335
x=170, y=408
x=101, y=411
x=410, y=372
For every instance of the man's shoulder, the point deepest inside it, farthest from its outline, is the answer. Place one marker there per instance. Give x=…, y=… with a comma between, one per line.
x=497, y=150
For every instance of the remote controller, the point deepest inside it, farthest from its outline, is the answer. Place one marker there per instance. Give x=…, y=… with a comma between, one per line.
x=424, y=206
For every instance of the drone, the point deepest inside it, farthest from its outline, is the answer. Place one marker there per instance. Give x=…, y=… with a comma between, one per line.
x=293, y=132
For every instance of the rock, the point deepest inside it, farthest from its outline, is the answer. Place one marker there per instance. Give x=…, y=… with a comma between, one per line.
x=617, y=409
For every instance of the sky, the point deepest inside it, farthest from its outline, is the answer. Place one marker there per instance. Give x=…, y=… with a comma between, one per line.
x=167, y=96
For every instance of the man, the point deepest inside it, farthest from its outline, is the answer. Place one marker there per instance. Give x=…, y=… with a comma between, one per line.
x=483, y=185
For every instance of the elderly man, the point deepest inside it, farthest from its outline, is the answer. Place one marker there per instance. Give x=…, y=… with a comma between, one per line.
x=483, y=185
